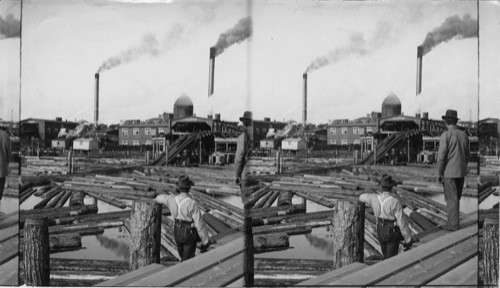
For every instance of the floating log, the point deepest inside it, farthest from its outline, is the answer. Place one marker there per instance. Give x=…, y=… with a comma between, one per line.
x=290, y=229
x=26, y=195
x=270, y=242
x=54, y=200
x=293, y=218
x=110, y=200
x=47, y=198
x=317, y=199
x=262, y=200
x=216, y=203
x=63, y=199
x=278, y=210
x=215, y=223
x=256, y=196
x=65, y=242
x=114, y=191
x=52, y=213
x=271, y=199
x=285, y=198
x=423, y=222
x=83, y=229
x=109, y=216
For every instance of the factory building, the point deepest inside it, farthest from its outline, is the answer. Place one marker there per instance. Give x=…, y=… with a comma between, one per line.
x=260, y=128
x=346, y=132
x=43, y=130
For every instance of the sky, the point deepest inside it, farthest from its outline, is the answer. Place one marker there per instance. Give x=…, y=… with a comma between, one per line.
x=373, y=44
x=66, y=42
x=9, y=59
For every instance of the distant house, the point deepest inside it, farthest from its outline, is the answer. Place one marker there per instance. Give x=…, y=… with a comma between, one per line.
x=268, y=144
x=58, y=143
x=85, y=144
x=293, y=144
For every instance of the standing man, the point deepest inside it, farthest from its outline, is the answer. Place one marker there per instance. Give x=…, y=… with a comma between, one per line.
x=453, y=157
x=242, y=179
x=189, y=227
x=4, y=159
x=392, y=226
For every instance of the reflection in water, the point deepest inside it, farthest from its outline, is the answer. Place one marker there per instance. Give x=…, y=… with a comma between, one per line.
x=120, y=248
x=320, y=243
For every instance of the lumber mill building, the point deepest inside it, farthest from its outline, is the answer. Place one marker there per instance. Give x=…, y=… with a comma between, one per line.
x=44, y=131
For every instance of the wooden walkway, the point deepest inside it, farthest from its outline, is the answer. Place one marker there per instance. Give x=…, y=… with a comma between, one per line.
x=216, y=268
x=442, y=258
x=9, y=232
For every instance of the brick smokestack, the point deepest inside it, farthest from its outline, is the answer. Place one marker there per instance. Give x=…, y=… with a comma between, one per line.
x=420, y=53
x=96, y=100
x=304, y=101
x=211, y=69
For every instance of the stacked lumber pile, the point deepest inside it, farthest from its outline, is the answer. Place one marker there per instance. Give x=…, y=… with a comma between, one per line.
x=45, y=165
x=490, y=165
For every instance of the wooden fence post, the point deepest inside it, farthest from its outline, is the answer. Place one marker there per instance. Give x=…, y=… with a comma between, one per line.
x=36, y=252
x=145, y=234
x=490, y=251
x=348, y=233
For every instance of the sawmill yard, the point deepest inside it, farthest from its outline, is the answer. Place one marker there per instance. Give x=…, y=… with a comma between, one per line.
x=89, y=219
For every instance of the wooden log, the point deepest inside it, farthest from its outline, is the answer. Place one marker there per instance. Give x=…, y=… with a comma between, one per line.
x=215, y=223
x=63, y=199
x=114, y=190
x=271, y=199
x=260, y=203
x=216, y=203
x=145, y=236
x=290, y=229
x=110, y=200
x=52, y=213
x=88, y=265
x=270, y=242
x=26, y=195
x=256, y=196
x=423, y=222
x=76, y=198
x=88, y=218
x=47, y=198
x=65, y=242
x=278, y=210
x=483, y=214
x=285, y=198
x=54, y=200
x=36, y=259
x=84, y=228
x=348, y=233
x=293, y=218
x=316, y=199
x=490, y=251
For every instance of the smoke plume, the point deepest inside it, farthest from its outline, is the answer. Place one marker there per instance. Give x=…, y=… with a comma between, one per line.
x=149, y=46
x=9, y=27
x=452, y=27
x=241, y=31
x=357, y=46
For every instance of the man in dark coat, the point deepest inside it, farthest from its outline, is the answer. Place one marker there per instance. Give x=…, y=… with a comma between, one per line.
x=453, y=157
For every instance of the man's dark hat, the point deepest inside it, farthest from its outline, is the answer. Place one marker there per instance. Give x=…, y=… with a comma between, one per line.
x=184, y=182
x=387, y=182
x=246, y=115
x=451, y=114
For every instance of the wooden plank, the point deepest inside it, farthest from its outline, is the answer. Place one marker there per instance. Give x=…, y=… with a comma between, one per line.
x=133, y=275
x=219, y=275
x=8, y=233
x=9, y=250
x=184, y=270
x=382, y=270
x=333, y=275
x=465, y=274
x=435, y=266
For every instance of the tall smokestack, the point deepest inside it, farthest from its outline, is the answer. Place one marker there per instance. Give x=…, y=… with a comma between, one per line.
x=211, y=69
x=304, y=101
x=96, y=100
x=420, y=53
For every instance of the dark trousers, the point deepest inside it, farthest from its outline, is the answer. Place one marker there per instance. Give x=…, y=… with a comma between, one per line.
x=389, y=237
x=2, y=184
x=452, y=193
x=185, y=239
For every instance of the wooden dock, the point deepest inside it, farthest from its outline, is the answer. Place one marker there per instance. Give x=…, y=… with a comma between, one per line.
x=9, y=238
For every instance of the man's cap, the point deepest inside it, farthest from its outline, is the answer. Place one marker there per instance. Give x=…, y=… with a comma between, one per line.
x=450, y=114
x=387, y=182
x=246, y=115
x=184, y=182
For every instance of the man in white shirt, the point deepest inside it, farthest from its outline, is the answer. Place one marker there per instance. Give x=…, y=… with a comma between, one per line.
x=189, y=226
x=392, y=226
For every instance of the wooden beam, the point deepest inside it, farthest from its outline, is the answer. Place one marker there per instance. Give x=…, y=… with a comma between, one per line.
x=334, y=275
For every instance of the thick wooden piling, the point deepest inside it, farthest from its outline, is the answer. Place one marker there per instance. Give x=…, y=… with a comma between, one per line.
x=145, y=234
x=76, y=198
x=490, y=251
x=348, y=233
x=36, y=252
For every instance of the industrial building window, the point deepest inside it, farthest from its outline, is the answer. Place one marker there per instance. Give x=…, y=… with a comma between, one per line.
x=124, y=131
x=147, y=131
x=149, y=142
x=135, y=143
x=333, y=142
x=344, y=131
x=124, y=142
x=333, y=131
x=136, y=132
x=357, y=141
x=361, y=131
x=344, y=141
x=355, y=130
x=369, y=129
x=161, y=130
